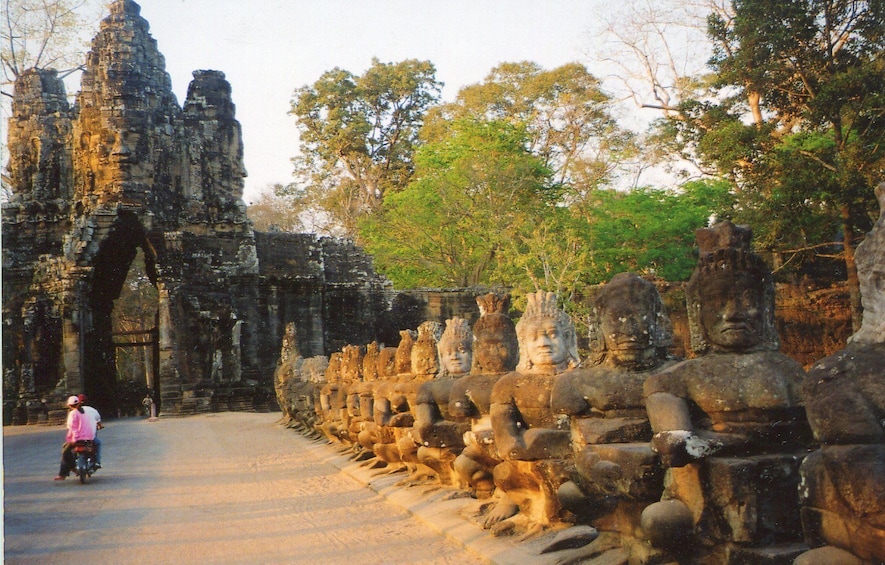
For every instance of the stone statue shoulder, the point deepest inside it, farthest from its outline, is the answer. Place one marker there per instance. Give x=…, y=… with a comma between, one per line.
x=471, y=395
x=600, y=387
x=733, y=382
x=845, y=397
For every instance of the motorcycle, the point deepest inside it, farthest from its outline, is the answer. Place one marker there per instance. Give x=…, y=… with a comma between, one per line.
x=84, y=457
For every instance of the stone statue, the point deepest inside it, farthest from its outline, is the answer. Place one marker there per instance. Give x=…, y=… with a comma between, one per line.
x=615, y=471
x=351, y=380
x=495, y=353
x=306, y=400
x=362, y=394
x=425, y=366
x=843, y=483
x=439, y=437
x=386, y=405
x=532, y=441
x=287, y=376
x=738, y=400
x=331, y=402
x=385, y=369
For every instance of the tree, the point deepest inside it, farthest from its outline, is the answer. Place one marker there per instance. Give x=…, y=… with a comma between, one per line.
x=45, y=34
x=795, y=119
x=358, y=136
x=649, y=231
x=472, y=192
x=273, y=210
x=564, y=111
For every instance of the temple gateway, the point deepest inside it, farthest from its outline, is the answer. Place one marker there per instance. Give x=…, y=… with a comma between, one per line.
x=128, y=169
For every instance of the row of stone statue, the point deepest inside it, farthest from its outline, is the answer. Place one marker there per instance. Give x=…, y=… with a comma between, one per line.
x=733, y=456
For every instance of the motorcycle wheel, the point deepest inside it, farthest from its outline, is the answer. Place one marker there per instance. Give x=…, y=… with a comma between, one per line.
x=81, y=468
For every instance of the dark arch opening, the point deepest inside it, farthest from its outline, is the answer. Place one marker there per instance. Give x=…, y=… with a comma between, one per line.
x=111, y=265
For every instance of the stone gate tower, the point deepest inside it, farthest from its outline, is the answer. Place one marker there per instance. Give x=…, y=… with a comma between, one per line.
x=126, y=168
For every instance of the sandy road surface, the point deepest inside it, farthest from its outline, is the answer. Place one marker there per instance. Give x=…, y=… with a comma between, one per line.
x=219, y=488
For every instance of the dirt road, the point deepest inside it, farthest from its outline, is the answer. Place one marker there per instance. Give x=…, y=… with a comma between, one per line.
x=221, y=488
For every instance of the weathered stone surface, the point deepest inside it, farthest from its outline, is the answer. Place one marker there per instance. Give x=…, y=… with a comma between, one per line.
x=531, y=439
x=496, y=352
x=613, y=466
x=127, y=168
x=843, y=483
x=730, y=424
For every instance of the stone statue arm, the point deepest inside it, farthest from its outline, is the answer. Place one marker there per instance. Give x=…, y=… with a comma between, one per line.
x=675, y=438
x=508, y=427
x=426, y=414
x=325, y=401
x=567, y=397
x=382, y=411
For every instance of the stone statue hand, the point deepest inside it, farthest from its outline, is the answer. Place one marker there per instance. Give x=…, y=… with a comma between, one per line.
x=402, y=420
x=678, y=448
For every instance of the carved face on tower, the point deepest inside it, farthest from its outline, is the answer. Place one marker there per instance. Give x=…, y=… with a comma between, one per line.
x=546, y=336
x=456, y=348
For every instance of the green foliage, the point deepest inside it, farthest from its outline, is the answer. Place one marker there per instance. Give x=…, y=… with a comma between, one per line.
x=651, y=232
x=564, y=111
x=794, y=119
x=472, y=191
x=483, y=210
x=358, y=136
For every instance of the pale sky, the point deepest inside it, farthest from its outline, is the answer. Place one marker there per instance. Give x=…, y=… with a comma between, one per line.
x=268, y=48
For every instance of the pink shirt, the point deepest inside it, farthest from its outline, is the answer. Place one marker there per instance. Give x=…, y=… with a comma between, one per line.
x=81, y=426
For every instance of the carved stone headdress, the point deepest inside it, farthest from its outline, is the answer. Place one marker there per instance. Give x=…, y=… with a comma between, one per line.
x=403, y=358
x=543, y=306
x=870, y=259
x=494, y=324
x=425, y=347
x=724, y=251
x=457, y=330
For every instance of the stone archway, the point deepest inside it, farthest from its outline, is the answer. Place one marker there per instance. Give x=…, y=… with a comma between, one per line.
x=110, y=268
x=128, y=168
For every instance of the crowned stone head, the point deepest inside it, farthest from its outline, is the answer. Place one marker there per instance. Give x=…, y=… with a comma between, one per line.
x=730, y=296
x=547, y=340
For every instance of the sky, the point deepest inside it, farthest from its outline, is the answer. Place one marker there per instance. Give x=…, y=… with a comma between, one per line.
x=269, y=48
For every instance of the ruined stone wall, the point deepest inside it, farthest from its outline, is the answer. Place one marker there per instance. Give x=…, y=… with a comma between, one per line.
x=127, y=168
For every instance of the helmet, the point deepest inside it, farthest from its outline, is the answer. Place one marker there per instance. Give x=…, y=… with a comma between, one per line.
x=73, y=400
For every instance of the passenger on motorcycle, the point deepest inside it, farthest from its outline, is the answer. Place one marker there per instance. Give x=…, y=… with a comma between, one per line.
x=81, y=426
x=90, y=411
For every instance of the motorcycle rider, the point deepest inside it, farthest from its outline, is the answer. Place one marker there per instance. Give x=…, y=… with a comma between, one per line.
x=81, y=426
x=89, y=410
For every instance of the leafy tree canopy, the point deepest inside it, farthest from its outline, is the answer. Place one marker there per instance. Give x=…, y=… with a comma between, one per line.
x=358, y=136
x=794, y=118
x=471, y=192
x=565, y=112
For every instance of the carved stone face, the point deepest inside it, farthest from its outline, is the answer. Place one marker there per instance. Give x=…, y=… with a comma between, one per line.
x=113, y=156
x=455, y=356
x=731, y=312
x=545, y=343
x=494, y=353
x=424, y=361
x=627, y=330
